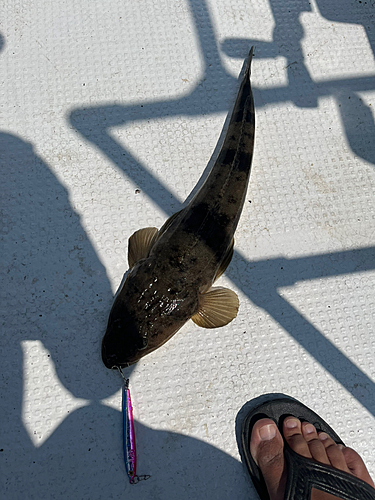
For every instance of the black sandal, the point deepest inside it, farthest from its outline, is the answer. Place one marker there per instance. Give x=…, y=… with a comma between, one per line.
x=303, y=473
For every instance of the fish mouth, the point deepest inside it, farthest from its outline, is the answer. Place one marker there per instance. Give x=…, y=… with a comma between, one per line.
x=111, y=360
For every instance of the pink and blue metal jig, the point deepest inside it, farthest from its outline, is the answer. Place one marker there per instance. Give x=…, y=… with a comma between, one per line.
x=130, y=454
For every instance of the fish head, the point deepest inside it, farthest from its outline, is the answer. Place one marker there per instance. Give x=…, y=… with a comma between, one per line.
x=142, y=318
x=122, y=343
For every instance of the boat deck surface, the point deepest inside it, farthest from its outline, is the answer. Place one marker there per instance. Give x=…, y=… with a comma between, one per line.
x=110, y=113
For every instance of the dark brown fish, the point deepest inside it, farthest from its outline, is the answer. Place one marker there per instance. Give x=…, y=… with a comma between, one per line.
x=172, y=270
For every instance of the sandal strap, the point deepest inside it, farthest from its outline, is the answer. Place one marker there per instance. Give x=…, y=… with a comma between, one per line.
x=304, y=474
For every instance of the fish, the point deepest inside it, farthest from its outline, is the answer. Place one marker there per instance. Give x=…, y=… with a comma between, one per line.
x=172, y=270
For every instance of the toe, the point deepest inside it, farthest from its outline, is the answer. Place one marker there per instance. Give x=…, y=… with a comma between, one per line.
x=316, y=446
x=356, y=465
x=266, y=447
x=309, y=431
x=334, y=452
x=292, y=431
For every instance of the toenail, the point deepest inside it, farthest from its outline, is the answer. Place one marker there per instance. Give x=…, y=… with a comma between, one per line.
x=267, y=432
x=291, y=423
x=309, y=428
x=323, y=436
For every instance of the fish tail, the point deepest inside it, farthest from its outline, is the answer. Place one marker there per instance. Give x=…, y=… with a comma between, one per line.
x=248, y=63
x=237, y=148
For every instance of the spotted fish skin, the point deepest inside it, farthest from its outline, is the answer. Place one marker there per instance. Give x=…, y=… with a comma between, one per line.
x=172, y=270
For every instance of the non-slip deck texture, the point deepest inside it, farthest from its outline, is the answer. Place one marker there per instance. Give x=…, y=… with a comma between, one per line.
x=109, y=114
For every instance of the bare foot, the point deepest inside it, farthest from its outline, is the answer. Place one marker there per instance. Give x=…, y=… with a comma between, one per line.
x=266, y=447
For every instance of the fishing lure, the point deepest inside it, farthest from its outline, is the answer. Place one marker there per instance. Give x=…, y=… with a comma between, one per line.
x=130, y=453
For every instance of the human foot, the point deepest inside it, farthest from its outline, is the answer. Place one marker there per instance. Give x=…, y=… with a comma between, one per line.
x=267, y=450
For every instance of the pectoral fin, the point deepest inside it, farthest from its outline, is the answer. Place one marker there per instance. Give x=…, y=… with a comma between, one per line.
x=217, y=307
x=225, y=262
x=140, y=244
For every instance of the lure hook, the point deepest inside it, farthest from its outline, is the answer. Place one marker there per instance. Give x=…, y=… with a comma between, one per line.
x=125, y=380
x=142, y=477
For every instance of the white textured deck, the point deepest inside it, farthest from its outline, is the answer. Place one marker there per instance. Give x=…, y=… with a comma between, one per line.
x=109, y=114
